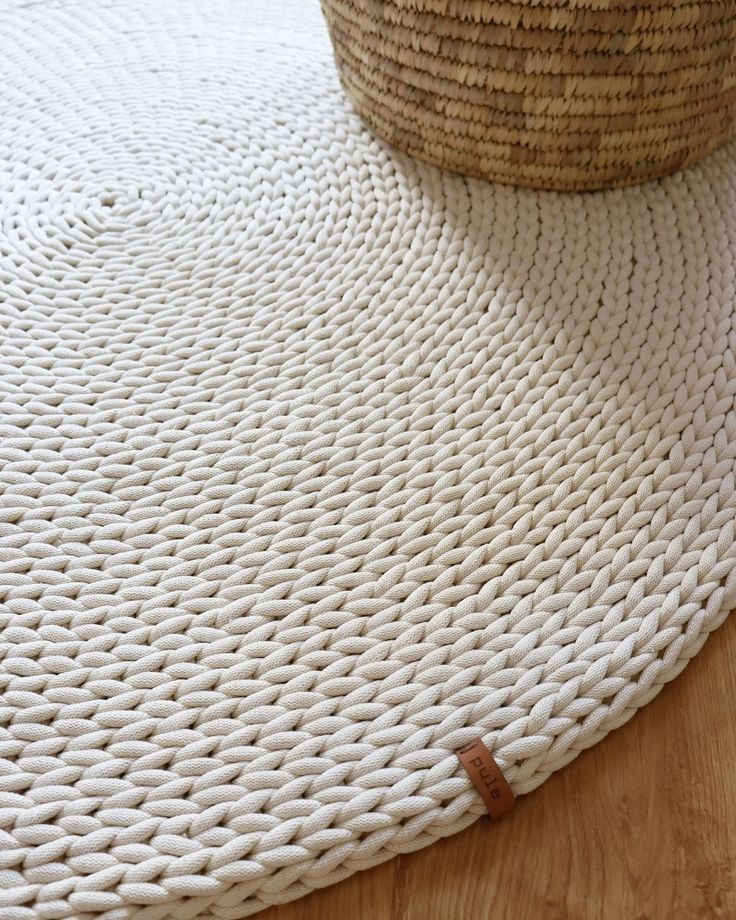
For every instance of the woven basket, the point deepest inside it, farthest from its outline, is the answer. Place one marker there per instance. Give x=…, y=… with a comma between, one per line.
x=564, y=94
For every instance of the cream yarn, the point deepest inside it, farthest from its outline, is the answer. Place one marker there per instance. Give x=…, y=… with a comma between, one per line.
x=317, y=463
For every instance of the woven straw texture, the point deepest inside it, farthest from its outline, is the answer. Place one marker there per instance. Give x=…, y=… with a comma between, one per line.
x=317, y=463
x=565, y=94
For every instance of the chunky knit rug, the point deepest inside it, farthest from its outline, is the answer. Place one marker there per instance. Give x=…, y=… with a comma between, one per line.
x=317, y=463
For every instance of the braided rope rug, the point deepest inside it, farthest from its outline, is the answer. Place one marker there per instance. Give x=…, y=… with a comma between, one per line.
x=317, y=463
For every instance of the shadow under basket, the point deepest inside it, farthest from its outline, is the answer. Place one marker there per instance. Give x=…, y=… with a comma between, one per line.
x=557, y=94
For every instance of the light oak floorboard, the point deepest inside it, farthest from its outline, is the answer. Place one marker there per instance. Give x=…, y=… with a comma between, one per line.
x=642, y=827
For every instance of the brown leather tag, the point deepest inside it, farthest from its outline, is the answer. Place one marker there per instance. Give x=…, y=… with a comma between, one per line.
x=487, y=778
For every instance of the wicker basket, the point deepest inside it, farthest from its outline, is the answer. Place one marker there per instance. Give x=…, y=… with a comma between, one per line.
x=564, y=94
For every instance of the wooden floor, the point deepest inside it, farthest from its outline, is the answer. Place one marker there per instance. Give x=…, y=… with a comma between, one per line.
x=640, y=827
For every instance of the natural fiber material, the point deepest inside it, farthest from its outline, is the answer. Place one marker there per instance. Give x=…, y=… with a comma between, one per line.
x=318, y=464
x=555, y=94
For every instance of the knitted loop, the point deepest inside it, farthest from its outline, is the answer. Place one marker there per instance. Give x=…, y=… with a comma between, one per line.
x=317, y=464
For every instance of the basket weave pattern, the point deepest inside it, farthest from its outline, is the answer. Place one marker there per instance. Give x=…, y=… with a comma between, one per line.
x=318, y=464
x=565, y=94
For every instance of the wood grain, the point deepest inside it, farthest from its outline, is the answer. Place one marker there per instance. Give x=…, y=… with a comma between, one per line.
x=642, y=827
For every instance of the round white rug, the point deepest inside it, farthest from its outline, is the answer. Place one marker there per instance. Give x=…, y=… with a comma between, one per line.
x=317, y=463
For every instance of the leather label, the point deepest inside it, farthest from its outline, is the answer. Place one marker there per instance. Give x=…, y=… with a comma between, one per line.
x=487, y=778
